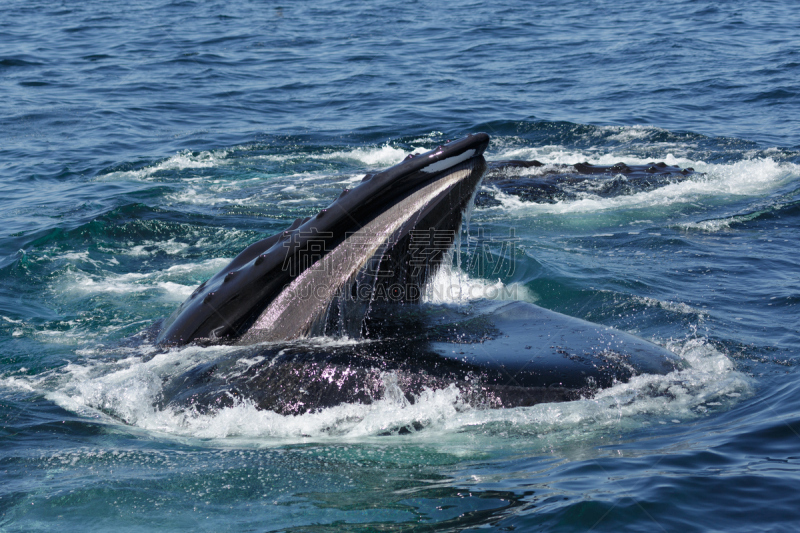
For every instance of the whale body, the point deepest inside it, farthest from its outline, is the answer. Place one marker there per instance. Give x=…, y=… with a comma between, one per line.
x=357, y=270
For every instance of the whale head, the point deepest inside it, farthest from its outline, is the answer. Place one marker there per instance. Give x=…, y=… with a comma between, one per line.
x=378, y=242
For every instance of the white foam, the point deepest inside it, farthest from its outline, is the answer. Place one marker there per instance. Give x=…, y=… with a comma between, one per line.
x=180, y=161
x=674, y=307
x=199, y=196
x=167, y=282
x=346, y=421
x=430, y=137
x=385, y=155
x=169, y=247
x=451, y=285
x=82, y=257
x=629, y=133
x=711, y=226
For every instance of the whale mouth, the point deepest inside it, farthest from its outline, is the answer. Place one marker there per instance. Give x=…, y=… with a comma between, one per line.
x=399, y=222
x=387, y=260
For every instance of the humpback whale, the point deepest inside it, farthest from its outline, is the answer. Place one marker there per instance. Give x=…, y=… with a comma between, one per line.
x=357, y=270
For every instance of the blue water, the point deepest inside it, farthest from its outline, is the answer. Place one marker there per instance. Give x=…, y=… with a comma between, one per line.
x=144, y=143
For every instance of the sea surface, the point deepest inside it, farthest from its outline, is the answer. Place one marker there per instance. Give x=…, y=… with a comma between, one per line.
x=145, y=143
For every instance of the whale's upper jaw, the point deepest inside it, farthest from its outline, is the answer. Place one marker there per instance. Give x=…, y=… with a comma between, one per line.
x=425, y=192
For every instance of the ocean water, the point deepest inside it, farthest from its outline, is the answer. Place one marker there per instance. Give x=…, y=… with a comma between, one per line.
x=144, y=143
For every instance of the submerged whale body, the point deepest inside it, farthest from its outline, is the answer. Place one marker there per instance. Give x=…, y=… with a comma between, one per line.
x=357, y=270
x=536, y=182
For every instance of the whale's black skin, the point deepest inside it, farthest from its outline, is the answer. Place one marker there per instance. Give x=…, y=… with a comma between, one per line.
x=359, y=250
x=533, y=181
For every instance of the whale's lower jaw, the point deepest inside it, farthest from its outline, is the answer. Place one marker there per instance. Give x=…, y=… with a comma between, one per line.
x=387, y=260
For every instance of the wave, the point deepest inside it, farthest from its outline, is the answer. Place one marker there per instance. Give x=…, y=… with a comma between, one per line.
x=775, y=210
x=185, y=159
x=253, y=175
